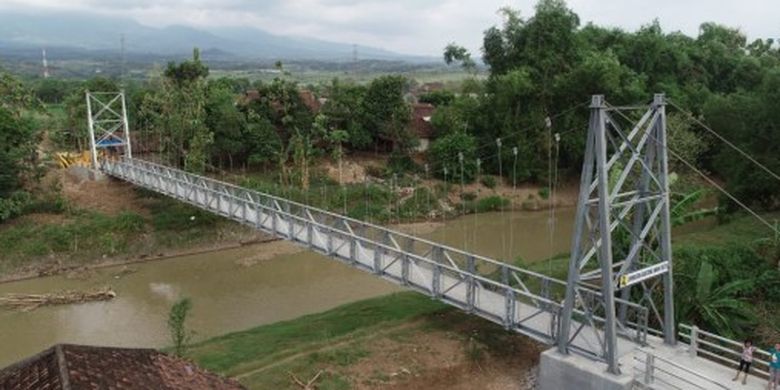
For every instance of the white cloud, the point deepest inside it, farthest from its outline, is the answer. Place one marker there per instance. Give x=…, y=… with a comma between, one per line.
x=415, y=26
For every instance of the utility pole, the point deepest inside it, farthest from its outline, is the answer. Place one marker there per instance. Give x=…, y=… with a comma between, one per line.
x=123, y=59
x=45, y=64
x=354, y=60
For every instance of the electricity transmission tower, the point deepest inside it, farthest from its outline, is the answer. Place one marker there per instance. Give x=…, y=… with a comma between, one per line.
x=622, y=231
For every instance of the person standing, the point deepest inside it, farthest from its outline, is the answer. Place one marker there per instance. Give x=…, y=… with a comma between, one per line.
x=774, y=367
x=745, y=360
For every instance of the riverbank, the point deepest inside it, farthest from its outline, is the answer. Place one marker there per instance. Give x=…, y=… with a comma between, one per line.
x=399, y=341
x=96, y=224
x=236, y=289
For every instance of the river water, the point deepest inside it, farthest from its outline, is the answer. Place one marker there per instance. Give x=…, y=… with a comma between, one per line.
x=228, y=295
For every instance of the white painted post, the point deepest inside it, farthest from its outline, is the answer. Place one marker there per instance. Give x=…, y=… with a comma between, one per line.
x=649, y=368
x=694, y=349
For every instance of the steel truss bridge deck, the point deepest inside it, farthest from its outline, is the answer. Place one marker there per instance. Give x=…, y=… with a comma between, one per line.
x=524, y=301
x=520, y=300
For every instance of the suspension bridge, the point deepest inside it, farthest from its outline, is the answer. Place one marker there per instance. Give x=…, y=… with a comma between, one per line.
x=604, y=336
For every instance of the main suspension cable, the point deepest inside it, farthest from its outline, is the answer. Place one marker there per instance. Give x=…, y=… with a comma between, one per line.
x=727, y=142
x=709, y=180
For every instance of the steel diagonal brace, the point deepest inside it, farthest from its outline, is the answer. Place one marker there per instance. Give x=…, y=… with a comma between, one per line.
x=614, y=224
x=640, y=241
x=105, y=106
x=635, y=157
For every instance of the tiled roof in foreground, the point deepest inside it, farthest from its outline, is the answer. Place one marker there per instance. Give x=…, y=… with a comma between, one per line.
x=67, y=366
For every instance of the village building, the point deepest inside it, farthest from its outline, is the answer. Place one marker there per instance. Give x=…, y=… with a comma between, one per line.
x=421, y=124
x=68, y=366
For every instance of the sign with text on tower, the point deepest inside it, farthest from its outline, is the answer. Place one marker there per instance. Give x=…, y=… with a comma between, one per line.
x=643, y=274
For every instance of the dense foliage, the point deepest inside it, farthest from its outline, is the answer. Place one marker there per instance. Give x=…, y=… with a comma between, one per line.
x=544, y=65
x=18, y=141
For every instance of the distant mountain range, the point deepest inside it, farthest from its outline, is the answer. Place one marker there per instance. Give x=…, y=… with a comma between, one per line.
x=81, y=32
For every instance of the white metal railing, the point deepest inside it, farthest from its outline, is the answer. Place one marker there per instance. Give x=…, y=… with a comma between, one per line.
x=519, y=299
x=656, y=372
x=721, y=350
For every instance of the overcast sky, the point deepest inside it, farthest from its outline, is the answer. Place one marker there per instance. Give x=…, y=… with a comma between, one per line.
x=416, y=26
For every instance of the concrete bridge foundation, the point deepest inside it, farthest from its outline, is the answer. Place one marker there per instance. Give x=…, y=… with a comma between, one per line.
x=562, y=372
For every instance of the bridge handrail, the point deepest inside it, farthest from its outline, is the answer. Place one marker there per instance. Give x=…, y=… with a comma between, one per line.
x=494, y=262
x=723, y=351
x=274, y=204
x=363, y=223
x=648, y=370
x=387, y=248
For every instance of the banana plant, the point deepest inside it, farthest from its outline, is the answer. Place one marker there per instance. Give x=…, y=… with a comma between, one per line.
x=683, y=208
x=701, y=300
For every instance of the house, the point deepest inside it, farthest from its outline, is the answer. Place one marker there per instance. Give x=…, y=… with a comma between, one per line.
x=421, y=124
x=432, y=87
x=309, y=100
x=68, y=366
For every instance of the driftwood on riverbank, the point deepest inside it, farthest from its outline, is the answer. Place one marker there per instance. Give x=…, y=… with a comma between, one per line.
x=28, y=302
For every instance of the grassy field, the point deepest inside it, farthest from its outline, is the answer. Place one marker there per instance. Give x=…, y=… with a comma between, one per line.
x=62, y=235
x=451, y=78
x=403, y=340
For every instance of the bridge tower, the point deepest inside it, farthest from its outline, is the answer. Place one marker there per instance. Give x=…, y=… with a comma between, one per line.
x=622, y=232
x=108, y=126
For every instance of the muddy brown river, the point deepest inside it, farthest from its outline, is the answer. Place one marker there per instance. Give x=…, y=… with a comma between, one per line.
x=240, y=288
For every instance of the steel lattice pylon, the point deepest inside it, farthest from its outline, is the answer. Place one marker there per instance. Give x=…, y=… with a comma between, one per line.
x=622, y=235
x=108, y=127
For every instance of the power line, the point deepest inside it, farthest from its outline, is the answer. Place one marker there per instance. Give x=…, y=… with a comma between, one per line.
x=453, y=161
x=727, y=142
x=709, y=180
x=721, y=189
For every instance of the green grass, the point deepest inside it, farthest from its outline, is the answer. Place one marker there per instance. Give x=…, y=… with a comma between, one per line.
x=740, y=228
x=78, y=236
x=335, y=340
x=242, y=351
x=86, y=232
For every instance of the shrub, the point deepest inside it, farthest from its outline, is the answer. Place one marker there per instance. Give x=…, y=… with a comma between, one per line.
x=180, y=335
x=129, y=222
x=491, y=203
x=544, y=193
x=444, y=154
x=468, y=196
x=400, y=163
x=488, y=181
x=14, y=205
x=375, y=171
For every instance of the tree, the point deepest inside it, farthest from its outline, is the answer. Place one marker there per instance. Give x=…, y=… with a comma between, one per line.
x=459, y=54
x=226, y=122
x=344, y=109
x=704, y=301
x=177, y=111
x=52, y=91
x=177, y=318
x=262, y=141
x=438, y=98
x=18, y=141
x=386, y=114
x=444, y=155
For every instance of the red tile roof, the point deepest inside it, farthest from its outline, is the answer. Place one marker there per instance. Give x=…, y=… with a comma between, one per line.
x=66, y=367
x=310, y=100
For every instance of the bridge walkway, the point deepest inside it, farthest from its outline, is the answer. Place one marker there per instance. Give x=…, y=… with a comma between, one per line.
x=521, y=300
